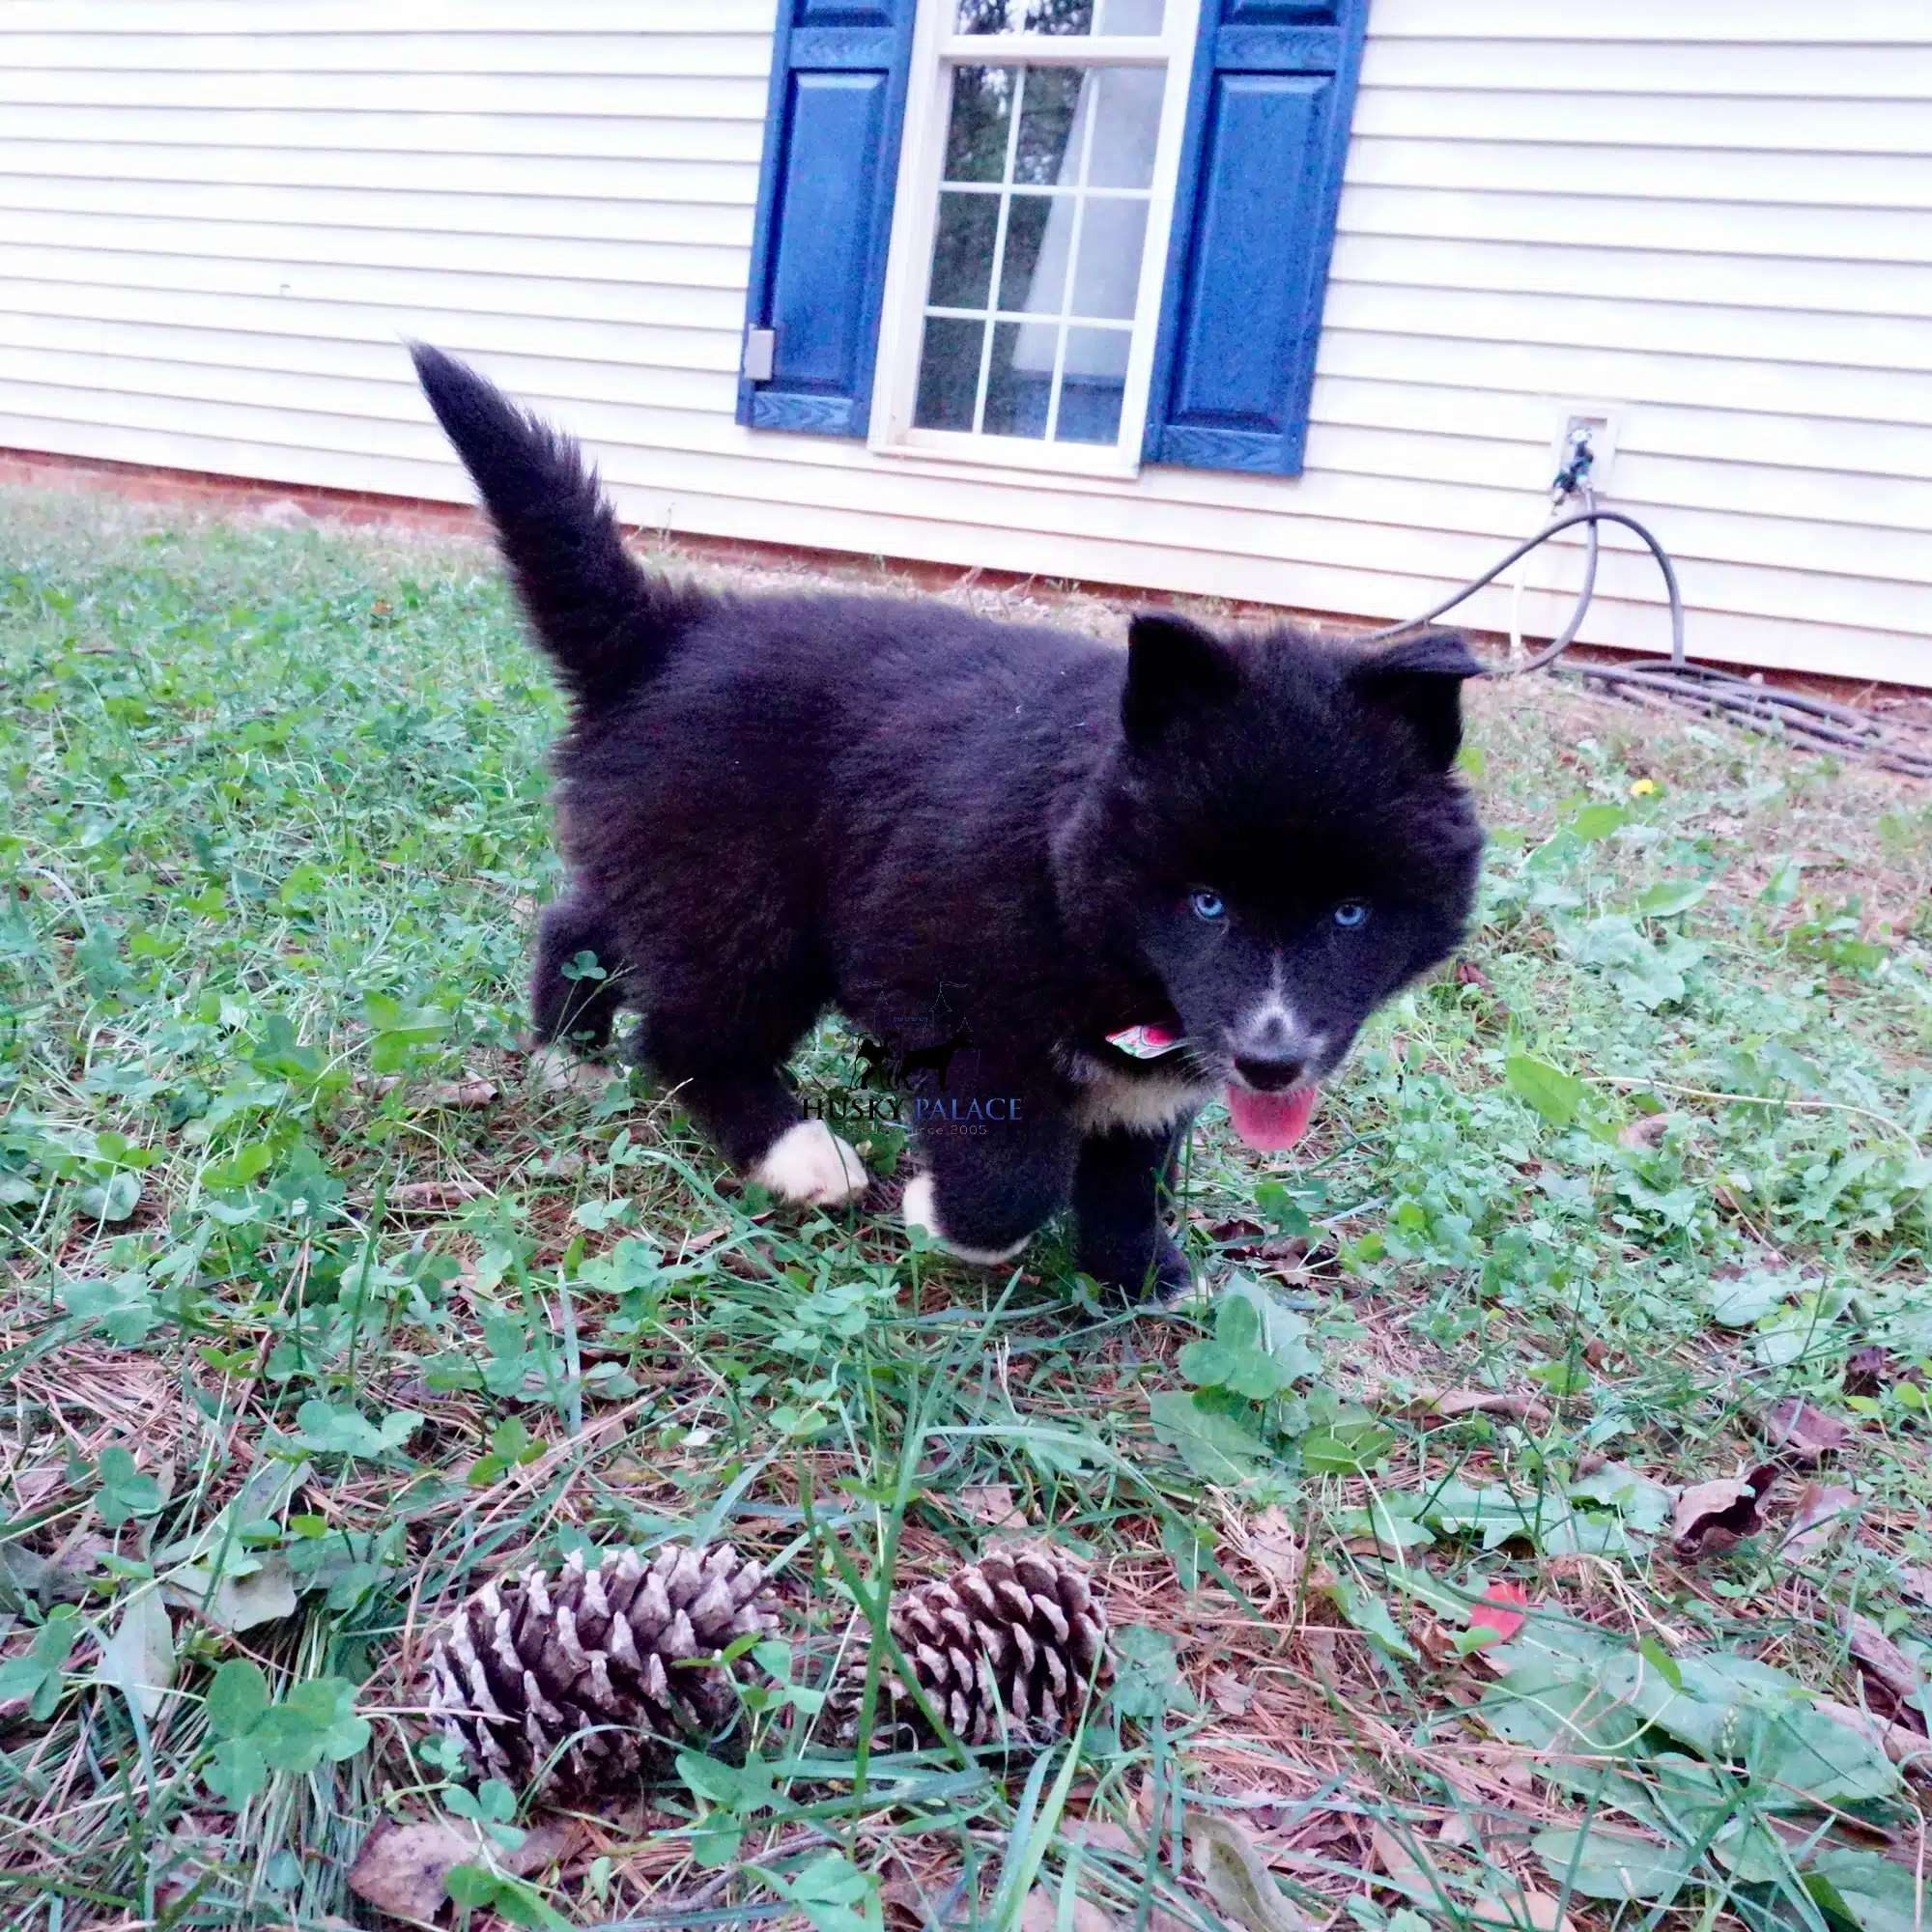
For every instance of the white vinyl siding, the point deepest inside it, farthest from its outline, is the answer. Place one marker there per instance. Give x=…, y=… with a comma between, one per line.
x=219, y=218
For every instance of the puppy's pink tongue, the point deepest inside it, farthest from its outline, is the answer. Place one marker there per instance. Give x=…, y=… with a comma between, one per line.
x=1272, y=1122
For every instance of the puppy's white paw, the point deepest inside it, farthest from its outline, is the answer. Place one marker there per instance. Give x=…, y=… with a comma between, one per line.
x=812, y=1164
x=919, y=1210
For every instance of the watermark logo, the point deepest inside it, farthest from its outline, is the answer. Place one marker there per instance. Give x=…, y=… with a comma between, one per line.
x=925, y=1086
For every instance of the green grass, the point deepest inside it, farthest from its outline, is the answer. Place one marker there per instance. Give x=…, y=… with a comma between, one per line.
x=274, y=836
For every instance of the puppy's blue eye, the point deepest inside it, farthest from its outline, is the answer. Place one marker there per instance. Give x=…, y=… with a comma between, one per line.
x=1211, y=905
x=1350, y=913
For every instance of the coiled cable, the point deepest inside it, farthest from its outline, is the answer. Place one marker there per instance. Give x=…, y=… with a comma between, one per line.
x=1814, y=723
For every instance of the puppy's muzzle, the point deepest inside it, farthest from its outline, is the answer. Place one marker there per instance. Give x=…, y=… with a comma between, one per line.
x=1271, y=1053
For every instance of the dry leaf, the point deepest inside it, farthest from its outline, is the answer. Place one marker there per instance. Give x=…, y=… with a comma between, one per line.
x=1711, y=1518
x=556, y=1070
x=1231, y=1693
x=1714, y=1506
x=550, y=1843
x=458, y=1094
x=265, y=1594
x=1644, y=1132
x=1470, y=974
x=1803, y=1432
x=1238, y=1878
x=1103, y=1835
x=1041, y=1912
x=1409, y=1872
x=1915, y=1580
x=1819, y=1516
x=402, y=1868
x=139, y=1659
x=1911, y=1749
x=1529, y=1911
x=184, y=1859
x=1530, y=1908
x=418, y=1197
x=1269, y=1543
x=1233, y=1230
x=32, y=1487
x=1882, y=1660
x=1868, y=1370
x=1448, y=1404
x=991, y=1503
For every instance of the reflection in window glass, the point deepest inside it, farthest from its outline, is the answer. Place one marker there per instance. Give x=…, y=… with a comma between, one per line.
x=1026, y=281
x=1092, y=385
x=1039, y=238
x=978, y=132
x=1108, y=277
x=1059, y=17
x=1047, y=121
x=1131, y=16
x=1019, y=381
x=949, y=373
x=1126, y=126
x=962, y=250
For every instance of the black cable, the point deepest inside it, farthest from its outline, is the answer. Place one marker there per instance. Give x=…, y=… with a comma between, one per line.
x=1555, y=649
x=1815, y=723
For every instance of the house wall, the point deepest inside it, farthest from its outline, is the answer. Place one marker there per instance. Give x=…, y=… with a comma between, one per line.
x=218, y=217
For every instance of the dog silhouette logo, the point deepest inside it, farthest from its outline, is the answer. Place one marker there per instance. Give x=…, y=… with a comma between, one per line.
x=890, y=1065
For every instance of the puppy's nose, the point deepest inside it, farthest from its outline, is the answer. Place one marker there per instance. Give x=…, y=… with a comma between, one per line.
x=1269, y=1076
x=1271, y=1049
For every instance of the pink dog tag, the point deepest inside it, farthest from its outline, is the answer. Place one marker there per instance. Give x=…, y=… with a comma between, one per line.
x=1145, y=1042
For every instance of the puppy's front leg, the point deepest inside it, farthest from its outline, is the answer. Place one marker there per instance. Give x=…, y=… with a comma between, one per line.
x=1121, y=1192
x=579, y=1008
x=995, y=1166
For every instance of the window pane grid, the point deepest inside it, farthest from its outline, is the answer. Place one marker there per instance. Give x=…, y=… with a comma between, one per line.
x=1020, y=299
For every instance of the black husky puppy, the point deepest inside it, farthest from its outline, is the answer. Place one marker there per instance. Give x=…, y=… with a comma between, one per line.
x=1110, y=882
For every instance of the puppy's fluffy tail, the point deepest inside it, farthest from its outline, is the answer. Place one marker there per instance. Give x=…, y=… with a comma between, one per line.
x=606, y=622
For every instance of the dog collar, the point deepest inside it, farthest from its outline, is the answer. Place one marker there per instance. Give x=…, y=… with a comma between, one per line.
x=1145, y=1042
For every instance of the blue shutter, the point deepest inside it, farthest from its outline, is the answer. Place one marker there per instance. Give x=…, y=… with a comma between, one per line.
x=1261, y=174
x=825, y=210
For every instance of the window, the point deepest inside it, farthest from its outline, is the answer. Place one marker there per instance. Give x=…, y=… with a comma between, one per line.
x=1036, y=196
x=1067, y=234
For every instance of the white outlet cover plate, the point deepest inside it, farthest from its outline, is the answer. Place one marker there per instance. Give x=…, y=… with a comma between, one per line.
x=1602, y=420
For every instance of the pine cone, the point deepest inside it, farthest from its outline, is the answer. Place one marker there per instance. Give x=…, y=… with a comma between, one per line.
x=1004, y=1650
x=530, y=1661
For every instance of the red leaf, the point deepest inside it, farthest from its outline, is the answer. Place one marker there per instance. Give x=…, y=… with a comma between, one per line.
x=1500, y=1610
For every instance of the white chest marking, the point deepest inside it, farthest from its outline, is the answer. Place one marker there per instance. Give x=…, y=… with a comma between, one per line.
x=1148, y=1104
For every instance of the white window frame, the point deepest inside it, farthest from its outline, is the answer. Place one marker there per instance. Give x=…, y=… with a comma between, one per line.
x=936, y=49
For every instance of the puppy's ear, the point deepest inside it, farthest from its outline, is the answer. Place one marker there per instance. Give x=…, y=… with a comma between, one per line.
x=1173, y=667
x=1421, y=682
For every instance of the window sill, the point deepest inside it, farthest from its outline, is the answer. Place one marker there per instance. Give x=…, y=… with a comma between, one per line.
x=1037, y=459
